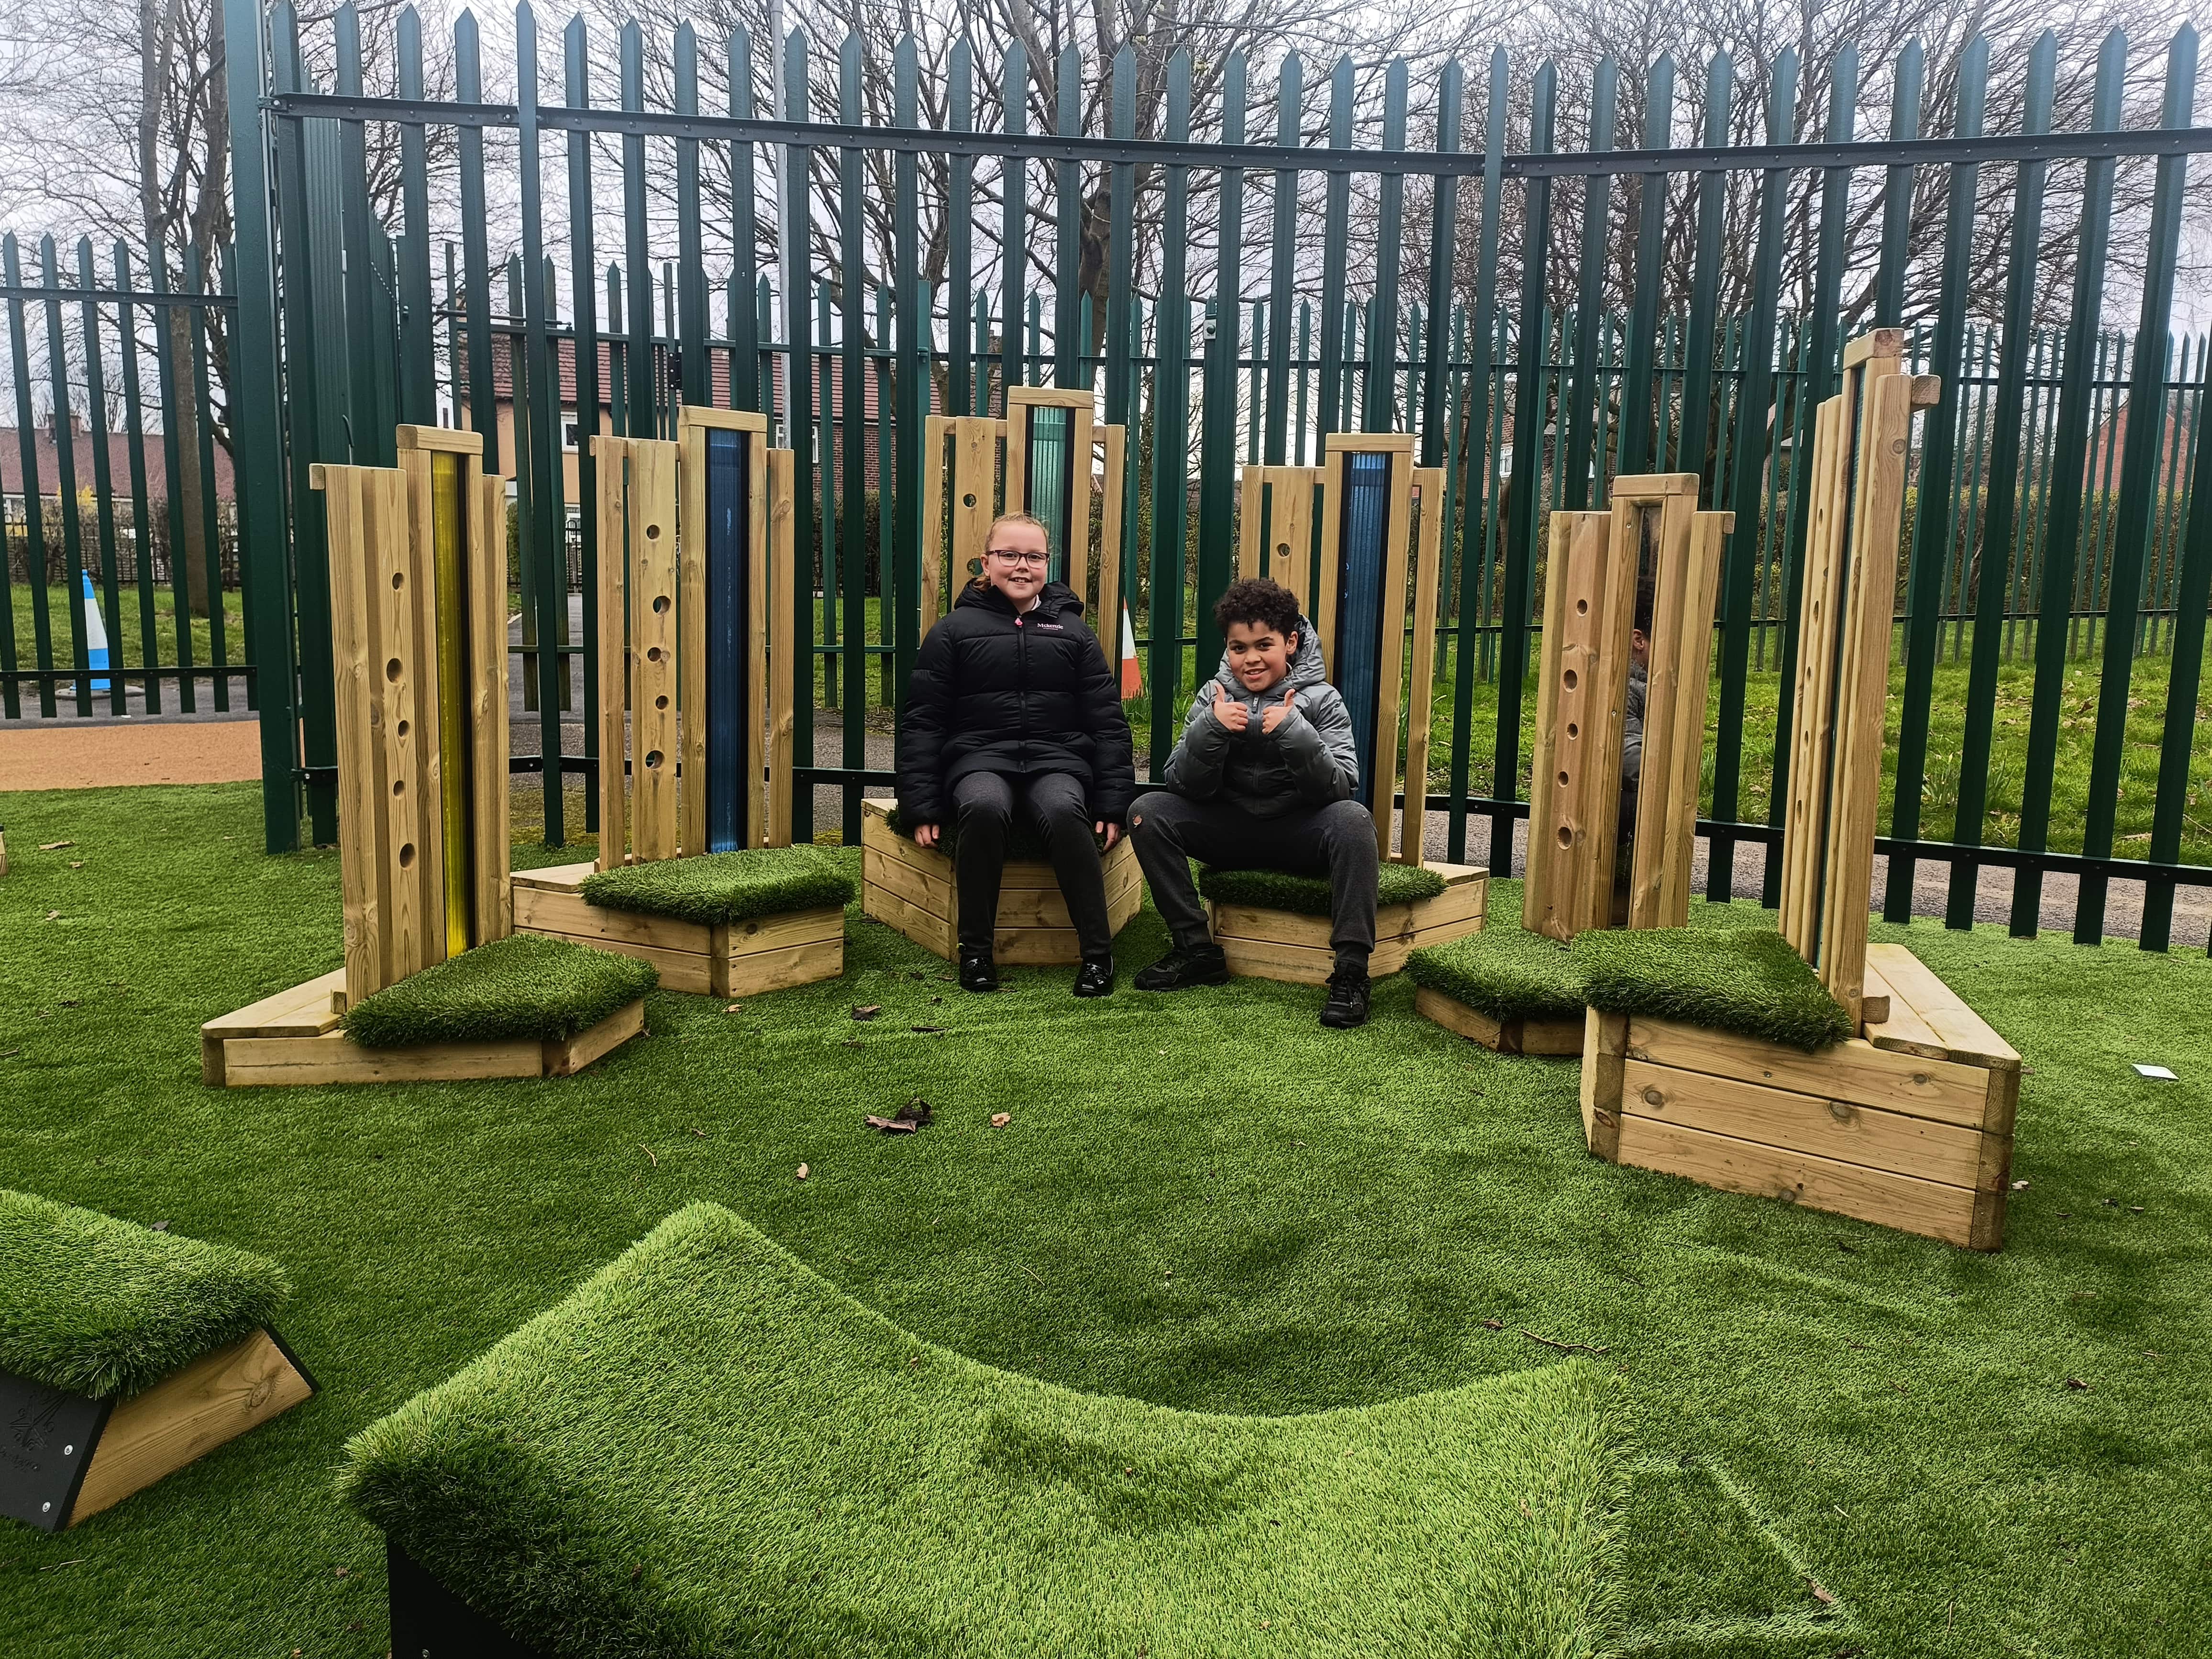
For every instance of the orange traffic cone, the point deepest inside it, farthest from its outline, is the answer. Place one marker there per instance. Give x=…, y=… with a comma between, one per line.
x=1133, y=680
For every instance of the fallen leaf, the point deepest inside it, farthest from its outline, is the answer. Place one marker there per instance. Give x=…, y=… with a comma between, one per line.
x=161, y=1226
x=1493, y=1324
x=56, y=915
x=891, y=1124
x=1824, y=1597
x=2077, y=1384
x=342, y=1571
x=802, y=1172
x=2020, y=1186
x=999, y=1119
x=735, y=1008
x=76, y=864
x=54, y=846
x=866, y=1009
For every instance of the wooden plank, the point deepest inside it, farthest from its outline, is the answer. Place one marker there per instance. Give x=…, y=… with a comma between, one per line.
x=1812, y=708
x=976, y=442
x=310, y=1003
x=1874, y=343
x=490, y=845
x=1856, y=1071
x=537, y=911
x=565, y=1056
x=1251, y=548
x=352, y=648
x=757, y=933
x=1469, y=1022
x=689, y=636
x=1581, y=690
x=1904, y=1202
x=337, y=1058
x=782, y=633
x=781, y=969
x=1605, y=1051
x=652, y=581
x=454, y=440
x=1876, y=519
x=405, y=583
x=1961, y=1034
x=1993, y=1181
x=1680, y=646
x=1874, y=999
x=932, y=932
x=555, y=878
x=1838, y=1129
x=1298, y=964
x=1420, y=676
x=610, y=457
x=753, y=805
x=916, y=887
x=186, y=1415
x=1108, y=620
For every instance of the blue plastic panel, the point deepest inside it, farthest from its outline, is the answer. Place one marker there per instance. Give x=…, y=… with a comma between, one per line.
x=1356, y=660
x=1052, y=436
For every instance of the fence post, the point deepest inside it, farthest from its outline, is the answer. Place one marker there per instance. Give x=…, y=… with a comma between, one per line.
x=258, y=420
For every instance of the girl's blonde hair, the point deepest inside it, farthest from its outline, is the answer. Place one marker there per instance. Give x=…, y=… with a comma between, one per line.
x=1005, y=518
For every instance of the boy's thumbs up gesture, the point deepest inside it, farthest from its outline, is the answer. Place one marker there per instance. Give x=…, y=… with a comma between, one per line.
x=1281, y=711
x=1230, y=711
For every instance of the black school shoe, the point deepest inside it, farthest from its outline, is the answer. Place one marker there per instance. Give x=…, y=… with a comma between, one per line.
x=1346, y=1008
x=1095, y=979
x=1181, y=969
x=977, y=971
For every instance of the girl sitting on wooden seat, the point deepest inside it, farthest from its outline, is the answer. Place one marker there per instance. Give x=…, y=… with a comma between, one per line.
x=1011, y=704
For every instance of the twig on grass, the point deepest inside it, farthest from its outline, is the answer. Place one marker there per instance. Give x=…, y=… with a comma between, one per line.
x=1563, y=1348
x=648, y=1151
x=1032, y=1272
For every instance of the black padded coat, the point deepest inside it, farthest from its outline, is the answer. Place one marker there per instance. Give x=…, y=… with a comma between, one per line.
x=993, y=692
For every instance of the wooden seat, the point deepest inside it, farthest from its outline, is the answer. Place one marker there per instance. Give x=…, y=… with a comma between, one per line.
x=1908, y=1124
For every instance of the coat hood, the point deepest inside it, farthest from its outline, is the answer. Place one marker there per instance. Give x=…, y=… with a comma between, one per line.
x=1307, y=667
x=1054, y=599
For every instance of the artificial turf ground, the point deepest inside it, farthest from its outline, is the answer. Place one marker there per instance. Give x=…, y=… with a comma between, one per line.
x=1204, y=1202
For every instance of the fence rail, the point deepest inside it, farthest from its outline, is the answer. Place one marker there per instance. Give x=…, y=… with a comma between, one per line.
x=1542, y=317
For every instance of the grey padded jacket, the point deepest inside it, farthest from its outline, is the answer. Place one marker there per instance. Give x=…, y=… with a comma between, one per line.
x=1308, y=761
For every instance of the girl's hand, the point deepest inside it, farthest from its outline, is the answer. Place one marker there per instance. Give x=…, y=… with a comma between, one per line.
x=1111, y=831
x=1281, y=711
x=1232, y=712
x=925, y=834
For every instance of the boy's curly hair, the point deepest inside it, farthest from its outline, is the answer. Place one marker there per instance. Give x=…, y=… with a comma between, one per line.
x=1256, y=600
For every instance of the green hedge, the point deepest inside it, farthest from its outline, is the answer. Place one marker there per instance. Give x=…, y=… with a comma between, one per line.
x=98, y=1306
x=1504, y=971
x=722, y=887
x=1747, y=981
x=1308, y=895
x=523, y=985
x=709, y=1449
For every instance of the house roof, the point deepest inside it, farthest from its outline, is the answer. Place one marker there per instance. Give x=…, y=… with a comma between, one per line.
x=47, y=461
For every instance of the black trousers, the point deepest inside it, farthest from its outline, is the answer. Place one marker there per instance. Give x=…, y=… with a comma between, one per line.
x=1058, y=805
x=1336, y=841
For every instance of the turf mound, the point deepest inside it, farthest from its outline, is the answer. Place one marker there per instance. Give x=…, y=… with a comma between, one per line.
x=1744, y=980
x=523, y=985
x=710, y=1449
x=722, y=887
x=98, y=1306
x=1504, y=971
x=1308, y=896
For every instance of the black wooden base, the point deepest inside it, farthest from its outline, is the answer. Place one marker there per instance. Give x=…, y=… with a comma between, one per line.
x=429, y=1621
x=46, y=1439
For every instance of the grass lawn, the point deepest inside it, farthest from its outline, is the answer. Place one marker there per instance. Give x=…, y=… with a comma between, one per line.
x=1205, y=1202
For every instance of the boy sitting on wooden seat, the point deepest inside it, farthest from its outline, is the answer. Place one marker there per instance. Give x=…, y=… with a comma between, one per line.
x=1265, y=778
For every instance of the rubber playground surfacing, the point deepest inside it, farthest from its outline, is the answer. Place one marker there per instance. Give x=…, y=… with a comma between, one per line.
x=1832, y=1438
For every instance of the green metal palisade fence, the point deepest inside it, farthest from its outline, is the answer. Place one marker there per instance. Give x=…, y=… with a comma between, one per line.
x=2050, y=536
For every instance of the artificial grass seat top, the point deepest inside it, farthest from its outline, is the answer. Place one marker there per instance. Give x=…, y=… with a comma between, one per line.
x=709, y=1449
x=525, y=986
x=1308, y=896
x=1747, y=981
x=97, y=1306
x=1504, y=971
x=715, y=888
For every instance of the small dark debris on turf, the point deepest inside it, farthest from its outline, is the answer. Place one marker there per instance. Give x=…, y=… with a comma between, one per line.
x=914, y=1115
x=890, y=1125
x=935, y=1030
x=2077, y=1384
x=866, y=1009
x=161, y=1226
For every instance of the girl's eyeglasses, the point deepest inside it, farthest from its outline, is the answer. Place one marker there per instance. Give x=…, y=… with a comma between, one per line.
x=1021, y=557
